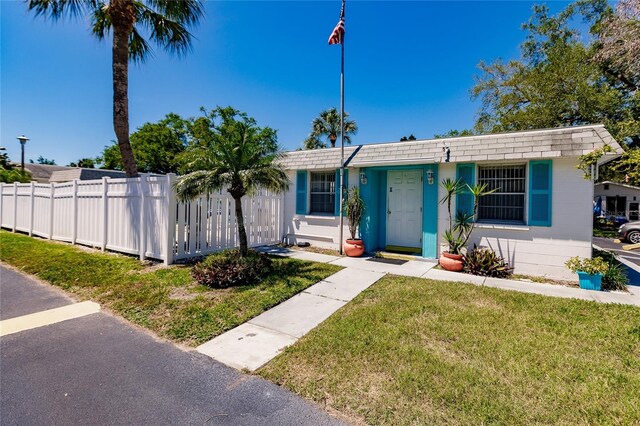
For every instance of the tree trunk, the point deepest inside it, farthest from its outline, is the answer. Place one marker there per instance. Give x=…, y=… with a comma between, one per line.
x=121, y=13
x=333, y=139
x=242, y=232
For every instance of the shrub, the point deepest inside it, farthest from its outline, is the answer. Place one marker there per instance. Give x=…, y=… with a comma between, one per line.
x=616, y=277
x=487, y=263
x=229, y=269
x=597, y=265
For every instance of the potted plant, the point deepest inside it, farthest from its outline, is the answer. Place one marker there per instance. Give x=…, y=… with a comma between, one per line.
x=590, y=271
x=460, y=226
x=354, y=209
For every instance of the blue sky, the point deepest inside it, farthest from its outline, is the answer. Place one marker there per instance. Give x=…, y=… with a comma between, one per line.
x=409, y=69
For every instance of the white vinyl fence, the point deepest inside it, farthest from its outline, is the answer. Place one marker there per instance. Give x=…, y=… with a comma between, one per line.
x=137, y=216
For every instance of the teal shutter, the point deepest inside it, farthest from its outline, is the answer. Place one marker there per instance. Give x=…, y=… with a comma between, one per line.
x=464, y=200
x=540, y=175
x=301, y=192
x=345, y=186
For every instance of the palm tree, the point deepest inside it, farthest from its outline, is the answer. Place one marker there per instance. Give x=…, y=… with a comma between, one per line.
x=327, y=124
x=164, y=21
x=231, y=152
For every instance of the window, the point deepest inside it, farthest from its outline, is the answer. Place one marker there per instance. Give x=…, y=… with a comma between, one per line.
x=606, y=186
x=323, y=192
x=507, y=203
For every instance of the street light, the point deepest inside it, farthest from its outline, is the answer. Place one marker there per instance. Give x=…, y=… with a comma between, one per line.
x=23, y=139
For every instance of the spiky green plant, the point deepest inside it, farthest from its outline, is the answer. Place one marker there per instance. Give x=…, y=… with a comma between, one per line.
x=486, y=262
x=460, y=222
x=354, y=210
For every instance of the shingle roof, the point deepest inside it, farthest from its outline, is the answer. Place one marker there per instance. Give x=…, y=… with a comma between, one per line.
x=328, y=158
x=84, y=174
x=531, y=144
x=41, y=172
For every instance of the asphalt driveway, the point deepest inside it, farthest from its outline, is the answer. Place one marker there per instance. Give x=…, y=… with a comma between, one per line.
x=632, y=256
x=98, y=369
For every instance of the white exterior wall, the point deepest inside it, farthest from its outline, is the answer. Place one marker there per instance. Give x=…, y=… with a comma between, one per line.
x=531, y=250
x=540, y=250
x=318, y=230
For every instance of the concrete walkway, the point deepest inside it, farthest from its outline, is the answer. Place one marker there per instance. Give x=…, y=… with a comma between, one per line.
x=256, y=342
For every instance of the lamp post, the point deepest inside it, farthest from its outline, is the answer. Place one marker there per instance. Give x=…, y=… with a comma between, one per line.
x=23, y=140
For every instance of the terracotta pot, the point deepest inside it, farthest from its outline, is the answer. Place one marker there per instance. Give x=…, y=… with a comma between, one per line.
x=451, y=262
x=353, y=248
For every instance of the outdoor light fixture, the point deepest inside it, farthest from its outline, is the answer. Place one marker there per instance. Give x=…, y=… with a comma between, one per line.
x=23, y=140
x=430, y=177
x=363, y=178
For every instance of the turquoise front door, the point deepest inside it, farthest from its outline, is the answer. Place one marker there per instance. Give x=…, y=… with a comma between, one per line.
x=420, y=210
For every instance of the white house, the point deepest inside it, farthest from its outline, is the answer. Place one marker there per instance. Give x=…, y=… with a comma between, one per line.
x=538, y=218
x=618, y=199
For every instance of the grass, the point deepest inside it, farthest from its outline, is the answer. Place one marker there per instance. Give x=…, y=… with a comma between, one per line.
x=417, y=351
x=165, y=300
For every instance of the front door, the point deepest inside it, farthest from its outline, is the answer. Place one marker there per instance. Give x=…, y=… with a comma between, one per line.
x=404, y=209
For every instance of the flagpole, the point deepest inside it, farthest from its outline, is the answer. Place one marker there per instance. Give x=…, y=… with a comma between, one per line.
x=342, y=134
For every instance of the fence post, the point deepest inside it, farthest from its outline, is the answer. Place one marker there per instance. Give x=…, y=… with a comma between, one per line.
x=74, y=232
x=105, y=212
x=51, y=208
x=15, y=206
x=1, y=201
x=31, y=207
x=143, y=224
x=170, y=213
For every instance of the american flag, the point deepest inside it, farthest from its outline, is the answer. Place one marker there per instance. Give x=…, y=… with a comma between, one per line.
x=337, y=35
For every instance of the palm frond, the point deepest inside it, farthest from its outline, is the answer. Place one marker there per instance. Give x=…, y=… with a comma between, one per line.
x=201, y=182
x=56, y=9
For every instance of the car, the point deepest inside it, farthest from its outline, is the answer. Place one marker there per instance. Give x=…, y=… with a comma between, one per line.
x=630, y=232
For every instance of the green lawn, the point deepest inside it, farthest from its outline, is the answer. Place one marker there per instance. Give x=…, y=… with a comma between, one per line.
x=416, y=351
x=164, y=300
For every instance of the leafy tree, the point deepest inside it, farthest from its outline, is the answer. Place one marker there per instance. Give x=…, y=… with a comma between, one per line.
x=156, y=146
x=557, y=82
x=327, y=125
x=231, y=152
x=408, y=138
x=14, y=175
x=85, y=163
x=45, y=161
x=165, y=23
x=9, y=173
x=618, y=46
x=628, y=167
x=454, y=134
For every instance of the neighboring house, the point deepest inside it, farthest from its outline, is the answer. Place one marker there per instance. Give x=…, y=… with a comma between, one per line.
x=44, y=173
x=73, y=173
x=539, y=217
x=41, y=172
x=617, y=199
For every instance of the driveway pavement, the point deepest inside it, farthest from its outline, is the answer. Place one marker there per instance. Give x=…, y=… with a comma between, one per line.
x=632, y=256
x=97, y=369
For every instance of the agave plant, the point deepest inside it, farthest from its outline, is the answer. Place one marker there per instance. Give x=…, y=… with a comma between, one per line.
x=461, y=223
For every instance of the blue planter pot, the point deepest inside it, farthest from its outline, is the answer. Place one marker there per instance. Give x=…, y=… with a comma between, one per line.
x=590, y=281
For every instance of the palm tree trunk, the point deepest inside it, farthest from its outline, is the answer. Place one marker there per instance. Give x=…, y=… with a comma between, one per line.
x=122, y=16
x=242, y=232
